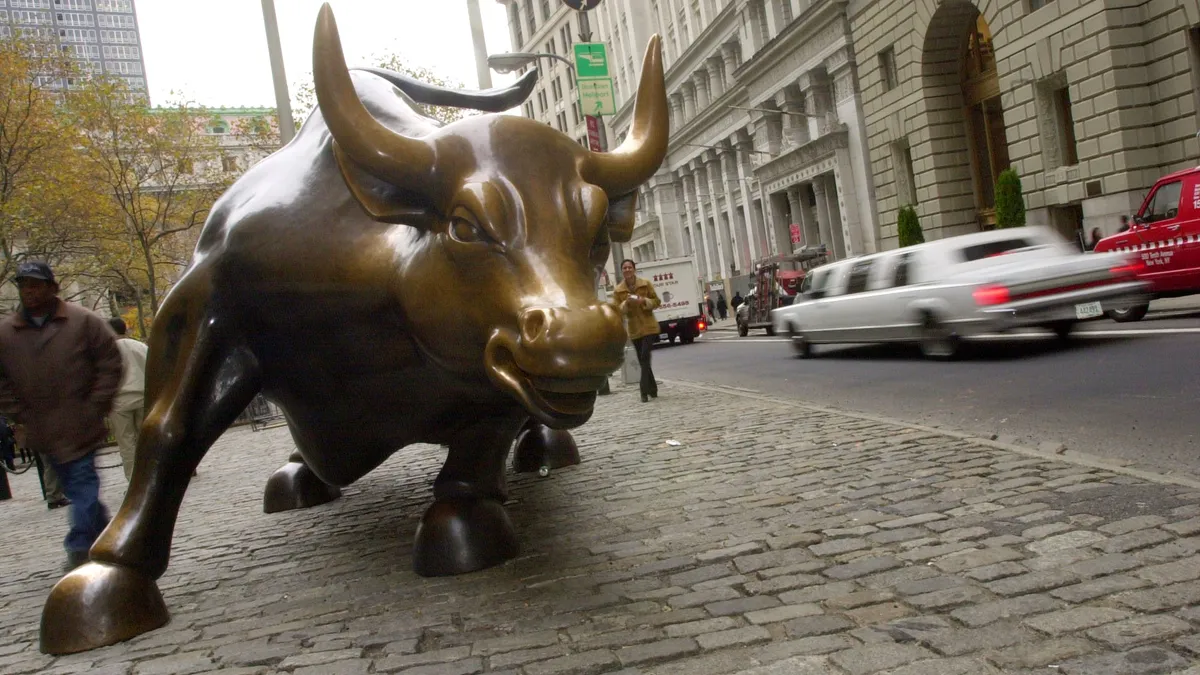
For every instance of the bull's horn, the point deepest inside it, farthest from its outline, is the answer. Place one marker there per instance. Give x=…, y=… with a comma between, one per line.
x=624, y=169
x=389, y=156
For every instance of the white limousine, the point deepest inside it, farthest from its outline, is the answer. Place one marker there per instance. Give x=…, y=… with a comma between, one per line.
x=940, y=291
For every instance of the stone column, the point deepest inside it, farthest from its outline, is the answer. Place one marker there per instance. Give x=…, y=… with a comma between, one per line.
x=703, y=208
x=730, y=59
x=737, y=229
x=700, y=82
x=729, y=233
x=689, y=99
x=756, y=233
x=812, y=233
x=824, y=224
x=780, y=241
x=677, y=117
x=670, y=214
x=709, y=167
x=818, y=101
x=716, y=76
x=795, y=126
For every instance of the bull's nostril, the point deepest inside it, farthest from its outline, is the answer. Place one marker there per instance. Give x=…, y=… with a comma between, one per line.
x=533, y=324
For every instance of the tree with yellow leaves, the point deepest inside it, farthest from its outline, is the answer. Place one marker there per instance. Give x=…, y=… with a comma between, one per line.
x=155, y=173
x=43, y=199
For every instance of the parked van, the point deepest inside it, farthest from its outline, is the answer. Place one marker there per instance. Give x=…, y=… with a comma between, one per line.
x=1165, y=234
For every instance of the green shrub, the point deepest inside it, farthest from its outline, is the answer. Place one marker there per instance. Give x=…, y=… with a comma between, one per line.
x=908, y=229
x=1010, y=206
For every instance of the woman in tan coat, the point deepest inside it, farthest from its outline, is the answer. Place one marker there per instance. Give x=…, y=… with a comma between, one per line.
x=637, y=299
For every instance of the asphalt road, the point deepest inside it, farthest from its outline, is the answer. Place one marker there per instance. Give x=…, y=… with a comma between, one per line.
x=1127, y=392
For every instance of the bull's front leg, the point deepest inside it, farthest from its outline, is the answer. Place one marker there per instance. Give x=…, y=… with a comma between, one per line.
x=467, y=528
x=295, y=486
x=199, y=377
x=540, y=448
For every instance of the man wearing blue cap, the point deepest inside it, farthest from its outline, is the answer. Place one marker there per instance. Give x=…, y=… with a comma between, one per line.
x=59, y=372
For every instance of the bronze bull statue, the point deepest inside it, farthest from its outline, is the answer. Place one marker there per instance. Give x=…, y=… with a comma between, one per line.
x=386, y=281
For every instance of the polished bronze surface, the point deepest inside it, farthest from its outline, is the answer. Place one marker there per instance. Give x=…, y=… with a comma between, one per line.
x=540, y=448
x=386, y=281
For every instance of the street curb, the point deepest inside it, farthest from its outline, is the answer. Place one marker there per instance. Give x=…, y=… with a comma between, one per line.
x=1057, y=452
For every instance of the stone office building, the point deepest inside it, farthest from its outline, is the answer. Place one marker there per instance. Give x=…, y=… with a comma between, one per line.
x=767, y=133
x=1089, y=101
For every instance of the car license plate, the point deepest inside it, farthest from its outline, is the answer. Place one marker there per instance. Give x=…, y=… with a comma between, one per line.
x=1088, y=310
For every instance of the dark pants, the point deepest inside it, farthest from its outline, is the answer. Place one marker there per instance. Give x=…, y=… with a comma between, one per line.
x=89, y=516
x=644, y=344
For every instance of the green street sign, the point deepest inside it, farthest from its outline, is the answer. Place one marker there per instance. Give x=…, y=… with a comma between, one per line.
x=596, y=96
x=591, y=60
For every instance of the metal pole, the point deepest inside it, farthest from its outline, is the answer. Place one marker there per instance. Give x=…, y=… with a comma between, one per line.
x=481, y=67
x=283, y=104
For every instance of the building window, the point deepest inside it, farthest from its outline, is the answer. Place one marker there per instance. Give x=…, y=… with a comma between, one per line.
x=1194, y=34
x=229, y=163
x=545, y=10
x=556, y=89
x=1035, y=5
x=1056, y=122
x=529, y=110
x=565, y=34
x=530, y=21
x=1066, y=125
x=905, y=176
x=551, y=47
x=887, y=65
x=542, y=101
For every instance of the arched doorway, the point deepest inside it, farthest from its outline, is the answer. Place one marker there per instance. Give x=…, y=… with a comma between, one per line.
x=967, y=145
x=984, y=117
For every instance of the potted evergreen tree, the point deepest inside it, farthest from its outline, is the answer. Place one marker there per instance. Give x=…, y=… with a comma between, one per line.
x=908, y=227
x=1010, y=205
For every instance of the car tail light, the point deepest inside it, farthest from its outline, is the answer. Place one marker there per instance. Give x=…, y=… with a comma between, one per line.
x=1130, y=269
x=991, y=295
x=702, y=325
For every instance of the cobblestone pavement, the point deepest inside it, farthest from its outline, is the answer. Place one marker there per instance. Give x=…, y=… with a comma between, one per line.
x=773, y=539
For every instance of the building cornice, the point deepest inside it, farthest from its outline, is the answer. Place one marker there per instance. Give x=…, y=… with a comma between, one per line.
x=722, y=26
x=803, y=156
x=799, y=31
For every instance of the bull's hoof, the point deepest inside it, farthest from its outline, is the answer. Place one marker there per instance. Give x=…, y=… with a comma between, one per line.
x=463, y=535
x=100, y=604
x=295, y=486
x=538, y=446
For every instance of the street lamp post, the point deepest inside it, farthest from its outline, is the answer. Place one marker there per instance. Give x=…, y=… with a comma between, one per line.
x=283, y=104
x=507, y=63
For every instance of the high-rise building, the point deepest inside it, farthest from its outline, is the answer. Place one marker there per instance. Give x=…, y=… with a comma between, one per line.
x=102, y=35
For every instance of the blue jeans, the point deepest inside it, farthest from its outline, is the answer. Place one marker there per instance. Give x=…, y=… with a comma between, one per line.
x=89, y=516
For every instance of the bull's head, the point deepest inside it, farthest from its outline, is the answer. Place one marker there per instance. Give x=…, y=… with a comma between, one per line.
x=501, y=223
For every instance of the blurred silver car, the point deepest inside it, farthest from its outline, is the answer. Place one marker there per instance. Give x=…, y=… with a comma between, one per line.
x=938, y=292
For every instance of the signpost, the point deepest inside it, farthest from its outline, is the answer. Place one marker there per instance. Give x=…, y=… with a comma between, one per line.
x=591, y=60
x=596, y=97
x=581, y=5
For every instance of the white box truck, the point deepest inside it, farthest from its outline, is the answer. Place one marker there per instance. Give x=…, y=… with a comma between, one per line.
x=678, y=287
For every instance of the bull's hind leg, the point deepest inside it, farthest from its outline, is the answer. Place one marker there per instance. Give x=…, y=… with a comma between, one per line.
x=199, y=378
x=540, y=448
x=295, y=486
x=467, y=527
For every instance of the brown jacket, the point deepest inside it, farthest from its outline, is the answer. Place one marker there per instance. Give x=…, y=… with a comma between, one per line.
x=640, y=318
x=59, y=380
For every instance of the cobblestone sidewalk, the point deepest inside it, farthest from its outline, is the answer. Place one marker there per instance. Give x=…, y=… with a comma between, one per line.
x=771, y=539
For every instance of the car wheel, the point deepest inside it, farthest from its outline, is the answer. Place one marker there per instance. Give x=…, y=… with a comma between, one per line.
x=1062, y=329
x=1134, y=313
x=800, y=343
x=743, y=329
x=771, y=330
x=937, y=340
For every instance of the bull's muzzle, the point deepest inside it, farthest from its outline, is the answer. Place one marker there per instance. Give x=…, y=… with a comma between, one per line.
x=557, y=359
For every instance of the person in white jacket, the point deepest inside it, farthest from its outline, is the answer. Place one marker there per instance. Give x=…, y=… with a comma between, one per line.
x=129, y=406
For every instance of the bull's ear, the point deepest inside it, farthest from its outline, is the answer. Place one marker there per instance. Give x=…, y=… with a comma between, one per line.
x=382, y=200
x=621, y=214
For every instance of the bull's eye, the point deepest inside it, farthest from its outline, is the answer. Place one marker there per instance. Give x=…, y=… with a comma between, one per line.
x=464, y=228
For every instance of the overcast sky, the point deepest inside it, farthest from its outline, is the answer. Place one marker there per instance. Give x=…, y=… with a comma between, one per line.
x=214, y=52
